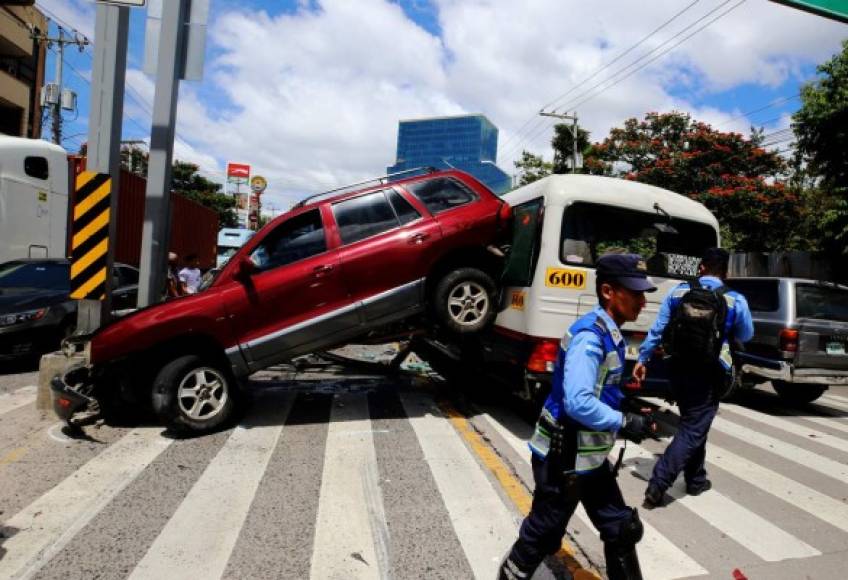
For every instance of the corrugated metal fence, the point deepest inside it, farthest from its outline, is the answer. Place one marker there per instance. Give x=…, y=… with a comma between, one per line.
x=194, y=228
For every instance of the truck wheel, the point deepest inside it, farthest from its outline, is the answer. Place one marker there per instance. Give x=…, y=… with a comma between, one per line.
x=464, y=300
x=192, y=393
x=798, y=394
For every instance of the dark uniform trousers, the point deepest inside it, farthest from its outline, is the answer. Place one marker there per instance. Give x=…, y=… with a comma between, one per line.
x=554, y=503
x=695, y=393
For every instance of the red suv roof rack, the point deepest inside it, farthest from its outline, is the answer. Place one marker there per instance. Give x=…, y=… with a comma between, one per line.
x=381, y=179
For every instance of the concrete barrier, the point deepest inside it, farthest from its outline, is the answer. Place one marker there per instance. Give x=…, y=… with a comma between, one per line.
x=51, y=365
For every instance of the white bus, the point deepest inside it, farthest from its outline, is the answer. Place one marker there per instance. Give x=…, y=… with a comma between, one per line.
x=562, y=224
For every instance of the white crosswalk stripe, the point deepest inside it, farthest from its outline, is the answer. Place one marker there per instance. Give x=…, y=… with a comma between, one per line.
x=840, y=398
x=823, y=465
x=51, y=521
x=790, y=427
x=835, y=402
x=484, y=526
x=803, y=497
x=198, y=539
x=351, y=536
x=825, y=422
x=747, y=528
x=17, y=399
x=350, y=510
x=660, y=558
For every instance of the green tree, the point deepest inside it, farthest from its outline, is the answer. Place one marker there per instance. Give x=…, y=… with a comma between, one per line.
x=821, y=129
x=134, y=159
x=734, y=177
x=186, y=181
x=563, y=144
x=532, y=167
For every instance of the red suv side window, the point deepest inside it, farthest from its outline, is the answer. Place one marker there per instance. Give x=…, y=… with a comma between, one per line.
x=404, y=210
x=295, y=239
x=364, y=216
x=441, y=194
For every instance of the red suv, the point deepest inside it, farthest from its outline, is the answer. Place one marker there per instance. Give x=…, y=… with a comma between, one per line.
x=329, y=271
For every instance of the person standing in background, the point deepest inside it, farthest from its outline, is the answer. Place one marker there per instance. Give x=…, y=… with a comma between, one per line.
x=190, y=275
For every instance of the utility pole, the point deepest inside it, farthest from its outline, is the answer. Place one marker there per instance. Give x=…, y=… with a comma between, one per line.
x=572, y=130
x=56, y=100
x=155, y=234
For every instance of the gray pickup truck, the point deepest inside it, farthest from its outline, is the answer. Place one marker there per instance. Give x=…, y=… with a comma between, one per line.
x=800, y=339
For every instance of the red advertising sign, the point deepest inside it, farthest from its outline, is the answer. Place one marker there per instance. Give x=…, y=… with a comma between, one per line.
x=239, y=170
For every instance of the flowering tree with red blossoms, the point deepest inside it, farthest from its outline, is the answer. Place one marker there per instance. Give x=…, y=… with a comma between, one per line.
x=739, y=181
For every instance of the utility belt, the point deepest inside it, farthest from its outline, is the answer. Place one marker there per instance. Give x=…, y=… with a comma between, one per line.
x=576, y=449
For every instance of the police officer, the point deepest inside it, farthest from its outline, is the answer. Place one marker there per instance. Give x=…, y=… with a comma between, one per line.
x=695, y=388
x=577, y=427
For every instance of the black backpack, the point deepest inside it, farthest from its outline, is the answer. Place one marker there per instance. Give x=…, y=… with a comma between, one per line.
x=695, y=333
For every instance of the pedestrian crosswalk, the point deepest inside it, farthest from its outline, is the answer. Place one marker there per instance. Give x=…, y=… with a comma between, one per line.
x=17, y=399
x=378, y=484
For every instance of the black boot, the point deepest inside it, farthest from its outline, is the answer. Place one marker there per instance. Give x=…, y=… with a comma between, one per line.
x=509, y=570
x=622, y=564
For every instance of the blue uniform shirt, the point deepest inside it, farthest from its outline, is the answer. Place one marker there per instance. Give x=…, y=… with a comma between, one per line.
x=576, y=376
x=738, y=324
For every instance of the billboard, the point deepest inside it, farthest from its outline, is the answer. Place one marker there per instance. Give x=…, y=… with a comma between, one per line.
x=238, y=178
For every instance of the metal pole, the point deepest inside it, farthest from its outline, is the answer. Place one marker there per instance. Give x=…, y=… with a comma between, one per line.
x=574, y=141
x=57, y=108
x=573, y=131
x=104, y=135
x=157, y=208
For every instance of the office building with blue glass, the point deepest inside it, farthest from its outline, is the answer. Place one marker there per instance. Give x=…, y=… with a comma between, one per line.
x=466, y=142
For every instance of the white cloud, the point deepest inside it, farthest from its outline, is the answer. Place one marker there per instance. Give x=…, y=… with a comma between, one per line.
x=311, y=98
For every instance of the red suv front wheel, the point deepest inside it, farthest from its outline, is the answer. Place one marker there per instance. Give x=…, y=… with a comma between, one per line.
x=194, y=394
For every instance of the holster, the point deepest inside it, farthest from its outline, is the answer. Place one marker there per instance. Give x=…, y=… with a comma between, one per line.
x=563, y=453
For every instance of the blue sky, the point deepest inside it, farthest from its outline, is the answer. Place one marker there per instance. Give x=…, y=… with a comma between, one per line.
x=309, y=92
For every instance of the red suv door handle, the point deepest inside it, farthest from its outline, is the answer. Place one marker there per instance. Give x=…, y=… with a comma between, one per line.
x=417, y=238
x=322, y=270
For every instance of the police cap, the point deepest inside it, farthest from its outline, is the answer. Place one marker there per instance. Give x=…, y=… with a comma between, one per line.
x=628, y=270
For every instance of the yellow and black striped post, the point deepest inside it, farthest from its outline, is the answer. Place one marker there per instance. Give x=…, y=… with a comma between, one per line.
x=90, y=241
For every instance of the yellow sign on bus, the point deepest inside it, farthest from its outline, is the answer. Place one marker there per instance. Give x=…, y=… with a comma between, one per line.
x=565, y=278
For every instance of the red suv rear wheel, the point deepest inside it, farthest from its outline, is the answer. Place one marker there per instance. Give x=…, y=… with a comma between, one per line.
x=464, y=300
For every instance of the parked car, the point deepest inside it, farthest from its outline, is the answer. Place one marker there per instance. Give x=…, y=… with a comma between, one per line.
x=35, y=309
x=331, y=270
x=800, y=339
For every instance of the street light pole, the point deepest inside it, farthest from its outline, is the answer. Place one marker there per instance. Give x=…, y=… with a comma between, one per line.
x=572, y=130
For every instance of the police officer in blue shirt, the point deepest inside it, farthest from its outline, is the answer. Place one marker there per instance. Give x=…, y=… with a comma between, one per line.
x=577, y=428
x=694, y=386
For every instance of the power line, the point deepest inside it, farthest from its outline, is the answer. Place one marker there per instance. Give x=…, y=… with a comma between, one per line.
x=661, y=54
x=142, y=103
x=603, y=68
x=83, y=77
x=575, y=105
x=763, y=108
x=637, y=61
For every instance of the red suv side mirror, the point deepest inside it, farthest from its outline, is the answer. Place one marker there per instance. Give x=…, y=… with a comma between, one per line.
x=246, y=268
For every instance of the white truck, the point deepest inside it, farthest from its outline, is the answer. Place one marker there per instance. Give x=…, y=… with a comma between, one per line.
x=229, y=241
x=34, y=186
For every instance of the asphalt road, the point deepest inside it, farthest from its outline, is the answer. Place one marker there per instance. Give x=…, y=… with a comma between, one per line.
x=339, y=472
